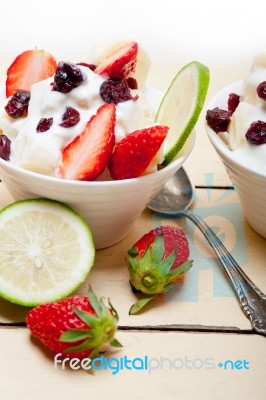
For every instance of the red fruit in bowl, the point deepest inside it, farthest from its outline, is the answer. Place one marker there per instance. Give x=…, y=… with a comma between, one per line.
x=256, y=133
x=156, y=262
x=29, y=67
x=218, y=119
x=120, y=64
x=232, y=102
x=5, y=144
x=17, y=105
x=86, y=157
x=134, y=153
x=76, y=327
x=115, y=91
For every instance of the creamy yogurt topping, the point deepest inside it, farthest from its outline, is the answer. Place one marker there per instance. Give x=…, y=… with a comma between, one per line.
x=41, y=152
x=251, y=108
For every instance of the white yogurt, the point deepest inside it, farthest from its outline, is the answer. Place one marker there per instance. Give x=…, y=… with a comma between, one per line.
x=41, y=152
x=250, y=109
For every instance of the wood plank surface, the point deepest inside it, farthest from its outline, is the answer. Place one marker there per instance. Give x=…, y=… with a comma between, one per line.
x=200, y=321
x=205, y=297
x=182, y=366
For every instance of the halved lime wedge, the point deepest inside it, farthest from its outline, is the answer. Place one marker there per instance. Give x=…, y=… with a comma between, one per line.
x=46, y=251
x=181, y=106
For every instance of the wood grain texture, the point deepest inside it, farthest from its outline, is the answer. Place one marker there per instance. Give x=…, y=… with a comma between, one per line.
x=205, y=296
x=199, y=319
x=183, y=366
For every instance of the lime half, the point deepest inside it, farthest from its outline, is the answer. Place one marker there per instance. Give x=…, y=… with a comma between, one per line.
x=181, y=106
x=46, y=251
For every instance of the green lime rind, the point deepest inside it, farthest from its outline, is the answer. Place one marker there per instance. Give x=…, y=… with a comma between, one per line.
x=203, y=78
x=74, y=282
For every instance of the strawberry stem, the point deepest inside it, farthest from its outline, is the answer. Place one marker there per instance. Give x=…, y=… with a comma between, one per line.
x=149, y=281
x=140, y=304
x=116, y=343
x=101, y=327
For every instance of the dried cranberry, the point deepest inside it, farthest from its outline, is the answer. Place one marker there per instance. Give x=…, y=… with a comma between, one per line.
x=70, y=118
x=115, y=91
x=261, y=90
x=67, y=77
x=4, y=147
x=218, y=119
x=233, y=101
x=18, y=104
x=256, y=134
x=44, y=124
x=90, y=66
x=132, y=83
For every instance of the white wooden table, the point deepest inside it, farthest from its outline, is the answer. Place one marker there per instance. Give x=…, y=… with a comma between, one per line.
x=186, y=334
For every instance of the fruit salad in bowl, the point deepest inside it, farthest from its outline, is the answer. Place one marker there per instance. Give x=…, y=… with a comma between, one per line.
x=91, y=134
x=236, y=126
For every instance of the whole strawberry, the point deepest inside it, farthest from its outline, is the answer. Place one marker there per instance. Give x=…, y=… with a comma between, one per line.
x=77, y=326
x=156, y=262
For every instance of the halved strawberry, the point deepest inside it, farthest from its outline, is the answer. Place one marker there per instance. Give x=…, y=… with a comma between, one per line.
x=135, y=152
x=120, y=64
x=29, y=67
x=87, y=155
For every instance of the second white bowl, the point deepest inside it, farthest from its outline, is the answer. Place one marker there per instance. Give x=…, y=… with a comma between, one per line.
x=249, y=183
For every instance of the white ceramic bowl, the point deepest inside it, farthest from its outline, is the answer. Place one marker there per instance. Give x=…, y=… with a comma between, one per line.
x=249, y=183
x=110, y=207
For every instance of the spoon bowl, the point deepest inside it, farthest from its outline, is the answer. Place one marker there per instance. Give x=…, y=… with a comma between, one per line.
x=174, y=199
x=177, y=194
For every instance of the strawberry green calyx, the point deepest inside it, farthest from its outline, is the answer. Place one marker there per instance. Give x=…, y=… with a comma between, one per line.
x=101, y=327
x=152, y=273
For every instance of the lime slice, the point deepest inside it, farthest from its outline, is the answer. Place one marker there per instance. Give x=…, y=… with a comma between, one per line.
x=181, y=106
x=46, y=251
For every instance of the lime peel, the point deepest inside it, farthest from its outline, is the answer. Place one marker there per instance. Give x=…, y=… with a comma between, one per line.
x=181, y=106
x=46, y=252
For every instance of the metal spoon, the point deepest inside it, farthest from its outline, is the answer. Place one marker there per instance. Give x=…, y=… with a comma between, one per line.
x=174, y=199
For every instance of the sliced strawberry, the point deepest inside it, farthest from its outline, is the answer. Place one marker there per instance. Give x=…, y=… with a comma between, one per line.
x=29, y=67
x=120, y=64
x=135, y=152
x=87, y=155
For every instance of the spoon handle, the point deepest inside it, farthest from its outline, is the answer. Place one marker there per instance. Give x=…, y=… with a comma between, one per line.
x=251, y=299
